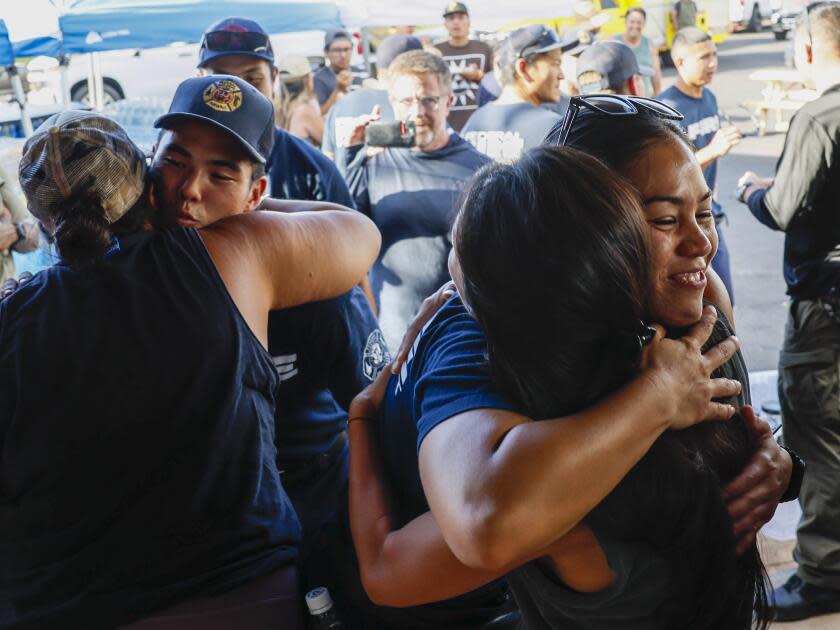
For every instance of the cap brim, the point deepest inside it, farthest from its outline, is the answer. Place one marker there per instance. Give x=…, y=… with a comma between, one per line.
x=646, y=71
x=166, y=121
x=545, y=49
x=570, y=46
x=213, y=54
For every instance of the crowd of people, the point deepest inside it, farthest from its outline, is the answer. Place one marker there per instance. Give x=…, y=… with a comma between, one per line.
x=457, y=344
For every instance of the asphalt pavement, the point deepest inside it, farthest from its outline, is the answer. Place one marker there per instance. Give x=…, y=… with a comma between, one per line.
x=755, y=251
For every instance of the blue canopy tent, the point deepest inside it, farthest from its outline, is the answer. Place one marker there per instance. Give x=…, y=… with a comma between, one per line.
x=7, y=60
x=7, y=57
x=100, y=25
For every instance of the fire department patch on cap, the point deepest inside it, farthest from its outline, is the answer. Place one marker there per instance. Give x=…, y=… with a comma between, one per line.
x=223, y=96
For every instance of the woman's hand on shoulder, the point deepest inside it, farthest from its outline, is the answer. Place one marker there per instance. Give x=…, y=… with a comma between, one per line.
x=680, y=371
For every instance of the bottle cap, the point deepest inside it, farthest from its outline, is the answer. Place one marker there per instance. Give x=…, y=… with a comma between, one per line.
x=318, y=600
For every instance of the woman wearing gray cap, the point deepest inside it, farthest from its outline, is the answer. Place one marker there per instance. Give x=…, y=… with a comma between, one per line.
x=136, y=397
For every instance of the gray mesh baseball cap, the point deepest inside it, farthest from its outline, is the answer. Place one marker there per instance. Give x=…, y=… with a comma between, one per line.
x=75, y=151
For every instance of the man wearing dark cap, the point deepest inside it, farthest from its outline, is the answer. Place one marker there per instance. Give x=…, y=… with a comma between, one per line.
x=468, y=61
x=343, y=116
x=611, y=68
x=296, y=170
x=530, y=73
x=333, y=80
x=324, y=352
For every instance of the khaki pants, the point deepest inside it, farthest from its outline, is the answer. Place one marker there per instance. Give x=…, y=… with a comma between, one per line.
x=809, y=392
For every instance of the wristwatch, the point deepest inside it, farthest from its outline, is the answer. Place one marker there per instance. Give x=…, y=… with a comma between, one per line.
x=796, y=476
x=742, y=188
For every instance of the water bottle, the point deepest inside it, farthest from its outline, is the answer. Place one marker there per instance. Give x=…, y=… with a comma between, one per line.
x=323, y=615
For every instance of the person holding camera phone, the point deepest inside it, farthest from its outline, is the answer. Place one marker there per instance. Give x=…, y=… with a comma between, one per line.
x=409, y=185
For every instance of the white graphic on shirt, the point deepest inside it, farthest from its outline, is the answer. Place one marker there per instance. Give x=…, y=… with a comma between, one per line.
x=464, y=91
x=502, y=146
x=285, y=366
x=375, y=356
x=704, y=126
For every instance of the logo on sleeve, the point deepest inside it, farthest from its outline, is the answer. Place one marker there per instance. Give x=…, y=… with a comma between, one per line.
x=286, y=366
x=223, y=96
x=376, y=355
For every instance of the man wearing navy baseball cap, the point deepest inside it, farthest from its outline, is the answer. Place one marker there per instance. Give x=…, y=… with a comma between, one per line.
x=326, y=352
x=530, y=72
x=296, y=170
x=221, y=128
x=611, y=68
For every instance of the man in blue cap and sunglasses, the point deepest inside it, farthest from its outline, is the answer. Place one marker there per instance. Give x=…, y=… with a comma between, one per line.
x=296, y=170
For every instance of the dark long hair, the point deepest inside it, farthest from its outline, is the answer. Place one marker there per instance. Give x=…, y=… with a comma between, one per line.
x=553, y=251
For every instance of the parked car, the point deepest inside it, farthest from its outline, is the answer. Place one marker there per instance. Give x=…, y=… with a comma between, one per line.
x=785, y=19
x=749, y=15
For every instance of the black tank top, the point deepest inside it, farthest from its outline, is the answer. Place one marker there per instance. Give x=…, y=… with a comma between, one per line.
x=136, y=440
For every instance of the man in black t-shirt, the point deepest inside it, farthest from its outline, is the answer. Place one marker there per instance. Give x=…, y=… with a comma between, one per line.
x=530, y=75
x=333, y=80
x=802, y=201
x=468, y=60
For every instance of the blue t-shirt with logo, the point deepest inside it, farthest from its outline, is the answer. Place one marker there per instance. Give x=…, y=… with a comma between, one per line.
x=341, y=119
x=297, y=170
x=412, y=197
x=325, y=353
x=701, y=123
x=446, y=374
x=505, y=132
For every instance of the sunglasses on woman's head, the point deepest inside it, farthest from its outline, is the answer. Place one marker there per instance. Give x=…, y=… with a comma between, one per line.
x=612, y=105
x=236, y=41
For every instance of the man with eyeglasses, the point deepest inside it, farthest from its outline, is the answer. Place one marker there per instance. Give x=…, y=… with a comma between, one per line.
x=334, y=79
x=803, y=200
x=530, y=74
x=410, y=193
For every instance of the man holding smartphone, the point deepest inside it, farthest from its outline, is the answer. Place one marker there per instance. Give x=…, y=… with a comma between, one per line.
x=410, y=193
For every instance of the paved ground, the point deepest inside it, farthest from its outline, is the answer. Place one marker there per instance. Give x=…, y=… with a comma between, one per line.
x=756, y=252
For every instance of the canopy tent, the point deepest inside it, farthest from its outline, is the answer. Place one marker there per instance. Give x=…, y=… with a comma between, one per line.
x=7, y=60
x=7, y=57
x=484, y=15
x=100, y=25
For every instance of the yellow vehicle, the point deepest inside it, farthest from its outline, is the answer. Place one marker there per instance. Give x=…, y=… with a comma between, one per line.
x=608, y=16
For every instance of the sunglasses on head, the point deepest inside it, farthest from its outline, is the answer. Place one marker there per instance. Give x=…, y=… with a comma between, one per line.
x=236, y=41
x=612, y=105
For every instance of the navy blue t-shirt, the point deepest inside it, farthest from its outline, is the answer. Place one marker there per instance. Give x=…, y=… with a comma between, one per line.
x=297, y=170
x=505, y=132
x=325, y=353
x=341, y=117
x=137, y=424
x=445, y=375
x=412, y=197
x=701, y=123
